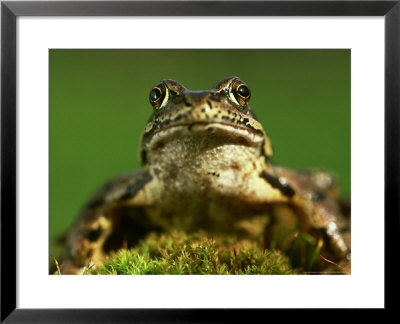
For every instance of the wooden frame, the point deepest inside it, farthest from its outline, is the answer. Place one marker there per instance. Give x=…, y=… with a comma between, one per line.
x=10, y=10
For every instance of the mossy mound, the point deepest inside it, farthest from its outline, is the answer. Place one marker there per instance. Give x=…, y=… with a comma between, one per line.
x=180, y=253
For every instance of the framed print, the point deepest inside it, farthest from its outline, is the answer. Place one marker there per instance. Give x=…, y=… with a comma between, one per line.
x=286, y=86
x=72, y=161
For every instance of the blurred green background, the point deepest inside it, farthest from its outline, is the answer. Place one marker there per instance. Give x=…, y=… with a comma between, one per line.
x=99, y=107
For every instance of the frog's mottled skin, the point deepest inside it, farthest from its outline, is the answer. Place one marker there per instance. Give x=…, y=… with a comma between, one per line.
x=206, y=165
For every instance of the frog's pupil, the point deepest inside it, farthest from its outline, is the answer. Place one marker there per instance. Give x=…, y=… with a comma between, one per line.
x=155, y=94
x=244, y=91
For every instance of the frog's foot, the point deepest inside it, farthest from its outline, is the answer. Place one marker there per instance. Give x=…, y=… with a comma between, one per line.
x=317, y=213
x=114, y=218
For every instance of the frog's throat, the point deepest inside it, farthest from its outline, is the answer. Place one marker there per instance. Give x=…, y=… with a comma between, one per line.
x=215, y=131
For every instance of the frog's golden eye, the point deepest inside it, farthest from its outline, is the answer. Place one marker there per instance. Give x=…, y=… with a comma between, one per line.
x=155, y=94
x=158, y=96
x=243, y=91
x=239, y=93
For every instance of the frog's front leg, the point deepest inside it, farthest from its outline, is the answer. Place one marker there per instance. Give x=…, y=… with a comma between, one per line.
x=115, y=217
x=311, y=197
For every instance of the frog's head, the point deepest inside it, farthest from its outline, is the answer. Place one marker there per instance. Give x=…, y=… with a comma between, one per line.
x=221, y=115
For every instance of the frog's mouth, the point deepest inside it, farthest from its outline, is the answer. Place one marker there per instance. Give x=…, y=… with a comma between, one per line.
x=222, y=133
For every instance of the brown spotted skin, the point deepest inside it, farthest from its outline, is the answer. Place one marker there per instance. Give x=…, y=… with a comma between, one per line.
x=206, y=165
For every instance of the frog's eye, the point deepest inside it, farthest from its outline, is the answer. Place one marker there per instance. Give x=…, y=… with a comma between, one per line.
x=155, y=94
x=243, y=91
x=239, y=93
x=158, y=96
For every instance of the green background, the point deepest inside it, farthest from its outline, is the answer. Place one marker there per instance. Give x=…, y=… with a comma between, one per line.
x=99, y=107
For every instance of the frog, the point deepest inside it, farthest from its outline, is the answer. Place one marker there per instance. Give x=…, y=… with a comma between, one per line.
x=206, y=164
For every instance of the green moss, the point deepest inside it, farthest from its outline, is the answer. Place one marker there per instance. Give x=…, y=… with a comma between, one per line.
x=179, y=253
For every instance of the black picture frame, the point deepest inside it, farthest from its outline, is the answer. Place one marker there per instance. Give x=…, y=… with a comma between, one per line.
x=10, y=10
